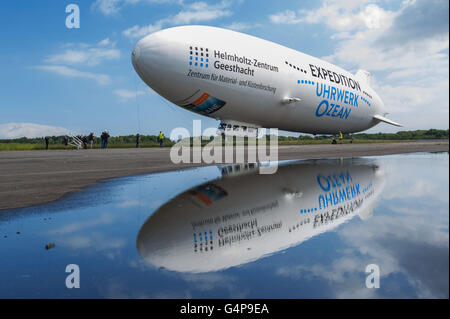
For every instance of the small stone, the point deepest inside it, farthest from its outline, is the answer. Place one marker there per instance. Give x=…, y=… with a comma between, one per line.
x=50, y=246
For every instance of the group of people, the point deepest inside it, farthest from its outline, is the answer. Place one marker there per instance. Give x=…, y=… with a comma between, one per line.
x=89, y=139
x=85, y=140
x=105, y=136
x=341, y=138
x=160, y=139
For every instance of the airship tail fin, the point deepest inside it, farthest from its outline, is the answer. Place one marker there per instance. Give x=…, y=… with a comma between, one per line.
x=385, y=120
x=363, y=76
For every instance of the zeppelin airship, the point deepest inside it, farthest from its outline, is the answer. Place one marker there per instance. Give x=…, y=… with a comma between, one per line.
x=244, y=216
x=248, y=83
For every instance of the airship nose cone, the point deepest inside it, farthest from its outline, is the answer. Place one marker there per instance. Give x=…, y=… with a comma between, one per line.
x=147, y=56
x=161, y=60
x=135, y=55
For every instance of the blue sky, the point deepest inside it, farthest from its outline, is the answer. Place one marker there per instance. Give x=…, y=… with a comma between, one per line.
x=56, y=80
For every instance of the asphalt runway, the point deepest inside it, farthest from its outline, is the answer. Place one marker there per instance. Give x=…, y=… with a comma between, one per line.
x=35, y=177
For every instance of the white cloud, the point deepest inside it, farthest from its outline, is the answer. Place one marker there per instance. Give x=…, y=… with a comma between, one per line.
x=107, y=7
x=412, y=238
x=126, y=95
x=412, y=75
x=81, y=55
x=405, y=99
x=194, y=12
x=95, y=242
x=70, y=228
x=375, y=17
x=30, y=130
x=209, y=281
x=104, y=42
x=112, y=7
x=101, y=79
x=201, y=11
x=397, y=243
x=340, y=15
x=86, y=54
x=337, y=271
x=241, y=26
x=138, y=31
x=286, y=17
x=405, y=50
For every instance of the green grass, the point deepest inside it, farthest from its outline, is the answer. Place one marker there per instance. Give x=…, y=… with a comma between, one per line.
x=326, y=141
x=20, y=147
x=129, y=141
x=30, y=146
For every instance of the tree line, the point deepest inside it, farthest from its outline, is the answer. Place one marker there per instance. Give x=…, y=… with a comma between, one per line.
x=431, y=134
x=115, y=140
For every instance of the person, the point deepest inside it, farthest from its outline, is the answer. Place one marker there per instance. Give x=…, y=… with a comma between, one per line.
x=84, y=139
x=66, y=141
x=46, y=142
x=91, y=139
x=161, y=138
x=138, y=140
x=351, y=139
x=340, y=137
x=107, y=136
x=102, y=137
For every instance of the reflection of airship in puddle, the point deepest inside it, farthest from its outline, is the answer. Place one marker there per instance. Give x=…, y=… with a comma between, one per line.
x=244, y=216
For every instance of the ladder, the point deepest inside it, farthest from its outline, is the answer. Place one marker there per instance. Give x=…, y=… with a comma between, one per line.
x=75, y=141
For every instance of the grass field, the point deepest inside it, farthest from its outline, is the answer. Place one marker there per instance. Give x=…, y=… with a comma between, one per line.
x=129, y=141
x=30, y=146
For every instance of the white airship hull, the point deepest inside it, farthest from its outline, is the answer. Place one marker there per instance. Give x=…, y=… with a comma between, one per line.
x=234, y=77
